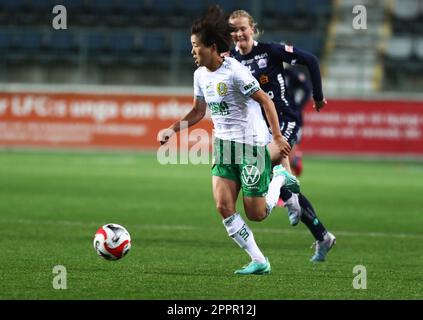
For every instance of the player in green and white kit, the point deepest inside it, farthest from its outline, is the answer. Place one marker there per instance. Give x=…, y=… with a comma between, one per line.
x=241, y=158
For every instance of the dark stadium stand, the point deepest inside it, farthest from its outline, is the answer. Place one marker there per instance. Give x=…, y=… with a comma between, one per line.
x=141, y=33
x=403, y=57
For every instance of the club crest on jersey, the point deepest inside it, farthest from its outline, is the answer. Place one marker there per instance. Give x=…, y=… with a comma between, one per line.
x=262, y=63
x=222, y=89
x=263, y=79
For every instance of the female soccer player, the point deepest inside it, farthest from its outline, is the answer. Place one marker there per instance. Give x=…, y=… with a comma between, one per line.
x=242, y=160
x=300, y=89
x=266, y=64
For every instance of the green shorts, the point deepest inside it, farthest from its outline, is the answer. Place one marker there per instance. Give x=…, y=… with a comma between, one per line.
x=248, y=165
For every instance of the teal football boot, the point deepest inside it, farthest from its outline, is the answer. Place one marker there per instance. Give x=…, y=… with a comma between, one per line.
x=291, y=182
x=255, y=267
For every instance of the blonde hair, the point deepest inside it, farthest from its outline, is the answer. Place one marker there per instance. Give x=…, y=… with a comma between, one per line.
x=251, y=22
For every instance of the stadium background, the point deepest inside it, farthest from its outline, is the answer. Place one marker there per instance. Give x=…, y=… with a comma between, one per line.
x=122, y=70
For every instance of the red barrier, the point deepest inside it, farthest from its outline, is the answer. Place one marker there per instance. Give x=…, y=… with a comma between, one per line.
x=373, y=127
x=79, y=120
x=88, y=120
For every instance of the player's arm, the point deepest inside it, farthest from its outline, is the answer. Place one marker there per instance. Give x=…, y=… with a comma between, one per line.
x=305, y=87
x=272, y=118
x=197, y=113
x=299, y=81
x=291, y=54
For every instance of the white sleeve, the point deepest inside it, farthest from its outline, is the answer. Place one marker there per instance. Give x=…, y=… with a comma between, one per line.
x=245, y=81
x=198, y=93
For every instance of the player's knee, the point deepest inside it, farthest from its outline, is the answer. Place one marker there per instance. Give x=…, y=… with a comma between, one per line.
x=254, y=215
x=257, y=218
x=225, y=209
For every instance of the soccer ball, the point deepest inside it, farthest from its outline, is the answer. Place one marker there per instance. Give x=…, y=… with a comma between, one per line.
x=112, y=241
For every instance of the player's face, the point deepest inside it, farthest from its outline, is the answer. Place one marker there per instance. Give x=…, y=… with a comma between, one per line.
x=243, y=34
x=202, y=55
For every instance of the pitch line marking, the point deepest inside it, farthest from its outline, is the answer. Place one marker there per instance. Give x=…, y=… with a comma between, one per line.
x=189, y=227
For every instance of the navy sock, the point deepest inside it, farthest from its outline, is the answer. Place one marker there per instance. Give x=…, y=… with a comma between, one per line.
x=285, y=194
x=309, y=218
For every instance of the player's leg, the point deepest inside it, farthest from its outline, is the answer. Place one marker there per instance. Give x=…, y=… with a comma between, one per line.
x=299, y=207
x=307, y=215
x=291, y=182
x=310, y=219
x=296, y=160
x=260, y=192
x=289, y=199
x=258, y=205
x=296, y=156
x=291, y=155
x=260, y=196
x=225, y=192
x=255, y=208
x=324, y=240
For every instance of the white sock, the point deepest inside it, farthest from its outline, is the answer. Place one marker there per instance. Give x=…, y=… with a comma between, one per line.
x=243, y=236
x=274, y=192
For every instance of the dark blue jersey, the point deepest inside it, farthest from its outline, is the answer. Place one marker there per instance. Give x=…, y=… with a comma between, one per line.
x=300, y=89
x=265, y=62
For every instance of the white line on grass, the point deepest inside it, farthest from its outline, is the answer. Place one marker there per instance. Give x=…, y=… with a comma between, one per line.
x=188, y=227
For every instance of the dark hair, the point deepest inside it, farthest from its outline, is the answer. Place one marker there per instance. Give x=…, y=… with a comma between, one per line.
x=214, y=28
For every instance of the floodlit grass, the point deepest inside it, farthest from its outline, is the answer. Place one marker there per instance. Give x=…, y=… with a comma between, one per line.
x=51, y=204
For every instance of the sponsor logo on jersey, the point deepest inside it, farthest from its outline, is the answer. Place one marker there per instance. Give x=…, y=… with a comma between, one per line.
x=246, y=62
x=218, y=108
x=289, y=48
x=222, y=89
x=250, y=175
x=261, y=56
x=249, y=86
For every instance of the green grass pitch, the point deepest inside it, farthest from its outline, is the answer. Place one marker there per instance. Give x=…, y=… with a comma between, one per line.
x=52, y=203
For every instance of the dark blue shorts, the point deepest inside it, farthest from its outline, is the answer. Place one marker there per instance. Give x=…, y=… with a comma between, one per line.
x=289, y=130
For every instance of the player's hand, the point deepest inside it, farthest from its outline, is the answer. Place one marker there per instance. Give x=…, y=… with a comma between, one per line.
x=319, y=105
x=164, y=135
x=283, y=146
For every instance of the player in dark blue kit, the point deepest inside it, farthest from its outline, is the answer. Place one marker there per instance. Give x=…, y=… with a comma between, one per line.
x=265, y=61
x=301, y=91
